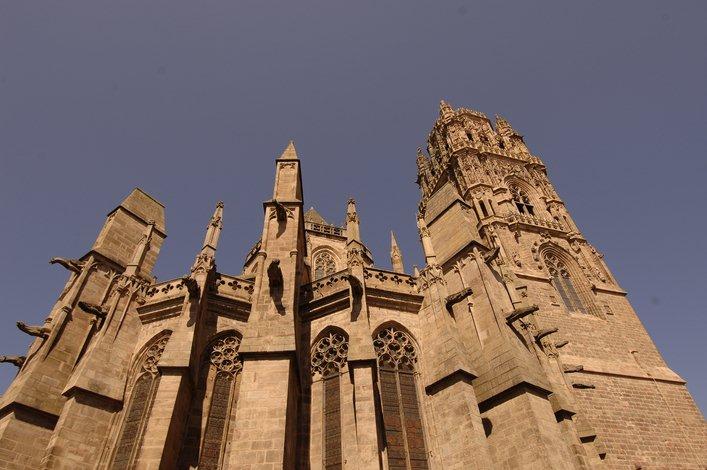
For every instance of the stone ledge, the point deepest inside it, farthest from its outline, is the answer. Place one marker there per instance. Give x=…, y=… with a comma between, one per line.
x=623, y=369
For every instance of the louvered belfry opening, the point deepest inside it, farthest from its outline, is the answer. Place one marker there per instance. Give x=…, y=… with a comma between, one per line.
x=397, y=359
x=329, y=356
x=139, y=406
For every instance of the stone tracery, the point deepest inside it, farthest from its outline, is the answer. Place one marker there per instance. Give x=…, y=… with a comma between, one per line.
x=329, y=354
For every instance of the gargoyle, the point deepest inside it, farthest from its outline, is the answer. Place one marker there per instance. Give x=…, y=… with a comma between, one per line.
x=280, y=210
x=491, y=255
x=72, y=265
x=453, y=299
x=275, y=274
x=92, y=309
x=543, y=333
x=191, y=285
x=15, y=360
x=582, y=385
x=356, y=287
x=572, y=369
x=38, y=331
x=520, y=313
x=561, y=344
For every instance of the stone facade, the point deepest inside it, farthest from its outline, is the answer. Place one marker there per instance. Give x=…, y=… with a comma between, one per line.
x=513, y=347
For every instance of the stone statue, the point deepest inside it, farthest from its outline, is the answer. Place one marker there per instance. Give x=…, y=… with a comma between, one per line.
x=72, y=265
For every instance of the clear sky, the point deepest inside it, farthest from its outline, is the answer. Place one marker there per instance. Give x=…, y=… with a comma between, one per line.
x=192, y=101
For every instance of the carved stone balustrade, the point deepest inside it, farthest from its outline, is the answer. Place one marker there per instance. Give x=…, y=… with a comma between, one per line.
x=534, y=221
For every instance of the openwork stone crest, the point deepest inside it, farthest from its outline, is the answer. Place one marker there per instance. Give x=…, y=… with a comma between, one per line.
x=154, y=353
x=329, y=354
x=395, y=350
x=224, y=355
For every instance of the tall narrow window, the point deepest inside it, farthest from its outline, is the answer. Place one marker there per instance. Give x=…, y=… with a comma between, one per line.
x=329, y=356
x=225, y=365
x=324, y=265
x=139, y=406
x=404, y=438
x=562, y=281
x=522, y=201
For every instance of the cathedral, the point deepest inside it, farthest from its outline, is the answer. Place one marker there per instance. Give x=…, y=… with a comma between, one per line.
x=513, y=347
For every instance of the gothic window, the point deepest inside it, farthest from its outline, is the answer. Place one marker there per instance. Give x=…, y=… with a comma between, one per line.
x=521, y=201
x=402, y=420
x=328, y=359
x=139, y=405
x=212, y=407
x=324, y=265
x=225, y=365
x=562, y=281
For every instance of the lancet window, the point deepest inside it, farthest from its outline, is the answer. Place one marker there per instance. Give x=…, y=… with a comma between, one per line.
x=521, y=201
x=139, y=405
x=212, y=408
x=562, y=281
x=402, y=419
x=324, y=265
x=329, y=357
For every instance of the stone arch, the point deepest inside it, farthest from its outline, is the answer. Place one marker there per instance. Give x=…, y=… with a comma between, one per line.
x=568, y=279
x=519, y=187
x=211, y=415
x=140, y=394
x=398, y=357
x=324, y=262
x=328, y=361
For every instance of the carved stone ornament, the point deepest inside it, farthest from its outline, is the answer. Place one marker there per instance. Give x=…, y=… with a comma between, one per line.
x=153, y=355
x=453, y=299
x=354, y=257
x=275, y=279
x=191, y=285
x=280, y=212
x=203, y=264
x=432, y=274
x=14, y=360
x=395, y=350
x=95, y=310
x=224, y=355
x=329, y=354
x=38, y=331
x=72, y=265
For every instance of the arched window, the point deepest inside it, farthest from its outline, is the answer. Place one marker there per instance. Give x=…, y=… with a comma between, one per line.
x=562, y=281
x=521, y=200
x=329, y=356
x=397, y=360
x=212, y=406
x=139, y=405
x=324, y=265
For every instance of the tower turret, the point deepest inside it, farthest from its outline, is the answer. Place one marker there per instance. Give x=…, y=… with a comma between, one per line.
x=396, y=256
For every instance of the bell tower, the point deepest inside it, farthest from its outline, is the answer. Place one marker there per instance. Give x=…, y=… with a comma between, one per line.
x=553, y=328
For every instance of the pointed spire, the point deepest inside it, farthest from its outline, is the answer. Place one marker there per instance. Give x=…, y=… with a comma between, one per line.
x=430, y=256
x=352, y=229
x=290, y=153
x=444, y=109
x=396, y=256
x=143, y=246
x=213, y=230
x=504, y=128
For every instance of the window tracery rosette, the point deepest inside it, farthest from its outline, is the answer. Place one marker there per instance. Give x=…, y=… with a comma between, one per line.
x=395, y=350
x=329, y=355
x=555, y=267
x=153, y=355
x=324, y=265
x=224, y=355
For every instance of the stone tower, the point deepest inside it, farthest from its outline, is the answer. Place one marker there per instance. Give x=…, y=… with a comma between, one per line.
x=513, y=347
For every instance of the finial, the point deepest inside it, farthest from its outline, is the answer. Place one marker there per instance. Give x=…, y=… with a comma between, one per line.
x=445, y=109
x=290, y=153
x=352, y=230
x=396, y=256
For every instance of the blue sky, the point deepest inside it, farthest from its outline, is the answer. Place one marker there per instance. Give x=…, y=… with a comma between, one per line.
x=192, y=101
